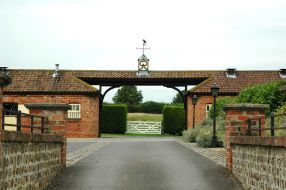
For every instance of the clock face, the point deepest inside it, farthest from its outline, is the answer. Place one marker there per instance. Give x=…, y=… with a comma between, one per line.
x=143, y=65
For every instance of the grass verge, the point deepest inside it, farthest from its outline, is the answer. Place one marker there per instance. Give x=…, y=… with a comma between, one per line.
x=134, y=135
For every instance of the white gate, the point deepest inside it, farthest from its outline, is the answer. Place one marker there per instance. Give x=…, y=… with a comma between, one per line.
x=143, y=127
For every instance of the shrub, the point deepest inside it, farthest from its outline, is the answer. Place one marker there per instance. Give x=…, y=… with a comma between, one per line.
x=268, y=93
x=113, y=119
x=151, y=107
x=220, y=104
x=221, y=130
x=173, y=119
x=202, y=134
x=280, y=121
x=133, y=108
x=147, y=107
x=190, y=135
x=204, y=138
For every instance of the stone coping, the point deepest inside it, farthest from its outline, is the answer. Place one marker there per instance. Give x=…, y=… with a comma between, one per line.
x=47, y=106
x=260, y=141
x=245, y=106
x=14, y=136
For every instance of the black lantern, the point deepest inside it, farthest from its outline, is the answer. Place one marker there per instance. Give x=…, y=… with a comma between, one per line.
x=194, y=102
x=5, y=78
x=214, y=91
x=194, y=99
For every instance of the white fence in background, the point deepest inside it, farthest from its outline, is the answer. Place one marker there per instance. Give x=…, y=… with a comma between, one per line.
x=144, y=127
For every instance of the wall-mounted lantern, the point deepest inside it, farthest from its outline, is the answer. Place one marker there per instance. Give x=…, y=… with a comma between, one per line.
x=5, y=78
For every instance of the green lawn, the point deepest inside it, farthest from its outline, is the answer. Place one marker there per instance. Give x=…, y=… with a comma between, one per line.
x=144, y=117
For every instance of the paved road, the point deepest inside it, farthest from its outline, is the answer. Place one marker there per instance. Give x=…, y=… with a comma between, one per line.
x=144, y=166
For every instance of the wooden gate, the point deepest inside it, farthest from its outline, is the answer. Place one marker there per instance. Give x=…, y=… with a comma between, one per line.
x=144, y=127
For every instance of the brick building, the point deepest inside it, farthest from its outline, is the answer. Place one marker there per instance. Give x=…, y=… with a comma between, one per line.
x=39, y=86
x=75, y=88
x=231, y=82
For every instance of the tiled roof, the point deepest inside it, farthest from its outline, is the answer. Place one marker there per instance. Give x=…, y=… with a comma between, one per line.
x=235, y=85
x=152, y=74
x=41, y=81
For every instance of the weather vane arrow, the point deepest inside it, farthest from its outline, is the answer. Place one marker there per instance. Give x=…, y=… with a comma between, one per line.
x=144, y=46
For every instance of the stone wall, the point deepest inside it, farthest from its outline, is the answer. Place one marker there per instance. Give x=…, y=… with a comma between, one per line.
x=30, y=161
x=86, y=126
x=260, y=162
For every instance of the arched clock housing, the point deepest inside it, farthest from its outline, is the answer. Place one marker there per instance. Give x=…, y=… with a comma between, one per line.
x=143, y=65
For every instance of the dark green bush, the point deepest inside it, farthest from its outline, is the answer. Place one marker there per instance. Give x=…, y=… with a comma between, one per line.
x=173, y=119
x=220, y=104
x=152, y=107
x=133, y=108
x=113, y=119
x=147, y=107
x=268, y=93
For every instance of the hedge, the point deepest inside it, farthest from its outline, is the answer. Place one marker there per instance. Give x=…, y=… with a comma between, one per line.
x=147, y=107
x=152, y=107
x=173, y=119
x=114, y=119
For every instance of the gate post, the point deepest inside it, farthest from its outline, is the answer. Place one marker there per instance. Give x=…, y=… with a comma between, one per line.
x=236, y=123
x=56, y=113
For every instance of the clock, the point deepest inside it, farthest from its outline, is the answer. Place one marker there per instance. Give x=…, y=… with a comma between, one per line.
x=143, y=66
x=143, y=63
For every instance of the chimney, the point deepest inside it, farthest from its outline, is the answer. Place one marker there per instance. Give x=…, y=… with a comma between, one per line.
x=231, y=73
x=282, y=73
x=56, y=74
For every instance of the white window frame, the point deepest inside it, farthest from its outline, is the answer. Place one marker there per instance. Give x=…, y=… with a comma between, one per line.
x=208, y=108
x=73, y=113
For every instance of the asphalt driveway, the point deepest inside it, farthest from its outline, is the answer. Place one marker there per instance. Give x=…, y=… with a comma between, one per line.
x=144, y=166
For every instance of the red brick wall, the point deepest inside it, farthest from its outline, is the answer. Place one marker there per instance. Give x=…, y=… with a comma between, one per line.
x=236, y=124
x=200, y=112
x=86, y=126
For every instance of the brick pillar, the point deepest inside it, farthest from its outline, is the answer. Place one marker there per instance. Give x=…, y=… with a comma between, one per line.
x=236, y=123
x=56, y=114
x=57, y=121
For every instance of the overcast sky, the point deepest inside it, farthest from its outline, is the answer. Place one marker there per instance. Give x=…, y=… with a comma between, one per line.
x=182, y=35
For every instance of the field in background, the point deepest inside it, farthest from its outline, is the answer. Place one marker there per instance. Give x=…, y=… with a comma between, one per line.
x=107, y=135
x=144, y=117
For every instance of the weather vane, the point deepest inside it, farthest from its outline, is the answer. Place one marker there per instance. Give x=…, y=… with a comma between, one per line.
x=144, y=46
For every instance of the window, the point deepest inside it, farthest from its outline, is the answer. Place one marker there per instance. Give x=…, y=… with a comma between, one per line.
x=10, y=106
x=74, y=112
x=208, y=108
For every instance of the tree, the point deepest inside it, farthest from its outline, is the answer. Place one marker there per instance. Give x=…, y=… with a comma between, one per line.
x=128, y=95
x=178, y=98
